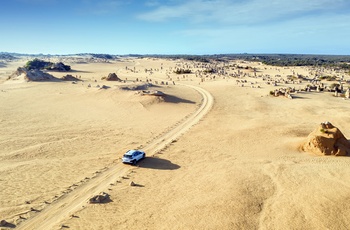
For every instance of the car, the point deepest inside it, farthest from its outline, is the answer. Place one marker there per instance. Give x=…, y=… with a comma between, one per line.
x=133, y=156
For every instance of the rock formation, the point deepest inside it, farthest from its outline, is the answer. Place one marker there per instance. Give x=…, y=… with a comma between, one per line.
x=112, y=77
x=31, y=75
x=132, y=183
x=59, y=67
x=69, y=77
x=347, y=93
x=153, y=93
x=327, y=139
x=3, y=223
x=101, y=198
x=137, y=87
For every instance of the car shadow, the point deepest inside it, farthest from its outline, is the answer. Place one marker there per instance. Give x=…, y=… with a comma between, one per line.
x=157, y=163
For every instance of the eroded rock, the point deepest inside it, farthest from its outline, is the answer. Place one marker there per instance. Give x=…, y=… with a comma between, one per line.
x=327, y=139
x=112, y=77
x=101, y=198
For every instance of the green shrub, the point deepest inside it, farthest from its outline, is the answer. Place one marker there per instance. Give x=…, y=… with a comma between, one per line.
x=323, y=131
x=334, y=85
x=209, y=71
x=36, y=64
x=183, y=71
x=40, y=64
x=328, y=78
x=292, y=77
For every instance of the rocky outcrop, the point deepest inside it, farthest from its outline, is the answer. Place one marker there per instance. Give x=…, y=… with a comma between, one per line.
x=3, y=223
x=283, y=92
x=101, y=198
x=69, y=77
x=137, y=87
x=152, y=93
x=347, y=93
x=111, y=77
x=31, y=75
x=59, y=67
x=5, y=56
x=327, y=139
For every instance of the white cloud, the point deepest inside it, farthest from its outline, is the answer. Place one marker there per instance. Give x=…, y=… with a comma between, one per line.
x=317, y=35
x=240, y=12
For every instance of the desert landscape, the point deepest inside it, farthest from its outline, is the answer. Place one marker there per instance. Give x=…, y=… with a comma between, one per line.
x=227, y=144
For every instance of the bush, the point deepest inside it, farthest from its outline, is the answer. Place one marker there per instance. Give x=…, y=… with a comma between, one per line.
x=323, y=131
x=334, y=85
x=40, y=64
x=209, y=71
x=292, y=77
x=36, y=64
x=328, y=78
x=183, y=71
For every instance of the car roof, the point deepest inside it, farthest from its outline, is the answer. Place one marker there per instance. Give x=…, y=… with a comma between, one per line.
x=130, y=152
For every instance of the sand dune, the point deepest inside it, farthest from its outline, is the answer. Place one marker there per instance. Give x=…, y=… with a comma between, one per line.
x=238, y=168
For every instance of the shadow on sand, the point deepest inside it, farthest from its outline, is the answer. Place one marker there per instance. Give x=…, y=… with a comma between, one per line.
x=157, y=163
x=174, y=99
x=299, y=97
x=8, y=225
x=78, y=71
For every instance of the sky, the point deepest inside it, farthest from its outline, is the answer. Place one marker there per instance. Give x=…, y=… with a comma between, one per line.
x=175, y=26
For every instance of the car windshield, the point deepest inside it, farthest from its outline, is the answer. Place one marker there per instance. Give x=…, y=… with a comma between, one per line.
x=127, y=156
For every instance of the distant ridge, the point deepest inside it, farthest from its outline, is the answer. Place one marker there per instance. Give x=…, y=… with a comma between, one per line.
x=336, y=61
x=182, y=55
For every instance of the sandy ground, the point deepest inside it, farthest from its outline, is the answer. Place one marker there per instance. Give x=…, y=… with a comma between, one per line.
x=239, y=167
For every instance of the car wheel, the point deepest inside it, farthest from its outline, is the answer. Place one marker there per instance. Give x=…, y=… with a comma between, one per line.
x=143, y=156
x=134, y=162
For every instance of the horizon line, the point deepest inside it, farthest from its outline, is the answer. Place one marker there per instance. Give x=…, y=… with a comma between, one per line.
x=160, y=54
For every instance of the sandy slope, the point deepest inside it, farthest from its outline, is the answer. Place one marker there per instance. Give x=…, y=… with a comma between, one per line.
x=55, y=135
x=63, y=208
x=238, y=168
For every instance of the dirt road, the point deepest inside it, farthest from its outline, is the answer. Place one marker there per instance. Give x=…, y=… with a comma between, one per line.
x=63, y=208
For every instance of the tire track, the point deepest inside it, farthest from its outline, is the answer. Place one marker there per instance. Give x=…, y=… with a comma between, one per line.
x=52, y=215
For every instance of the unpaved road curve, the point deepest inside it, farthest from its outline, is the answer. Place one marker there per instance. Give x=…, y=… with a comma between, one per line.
x=51, y=216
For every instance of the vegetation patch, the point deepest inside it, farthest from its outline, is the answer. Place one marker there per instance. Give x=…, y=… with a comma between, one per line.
x=292, y=77
x=182, y=71
x=334, y=85
x=209, y=71
x=323, y=131
x=41, y=64
x=328, y=78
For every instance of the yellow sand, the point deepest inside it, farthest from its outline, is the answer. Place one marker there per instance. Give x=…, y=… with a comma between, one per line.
x=238, y=167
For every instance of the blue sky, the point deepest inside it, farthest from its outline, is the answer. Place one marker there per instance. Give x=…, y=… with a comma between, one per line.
x=175, y=26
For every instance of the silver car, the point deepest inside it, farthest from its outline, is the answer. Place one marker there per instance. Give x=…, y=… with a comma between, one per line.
x=133, y=156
